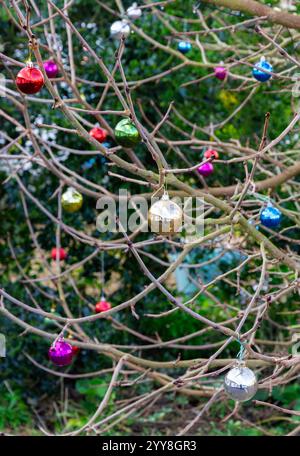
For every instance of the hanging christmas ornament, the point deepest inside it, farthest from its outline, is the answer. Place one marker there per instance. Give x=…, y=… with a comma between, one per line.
x=51, y=69
x=126, y=133
x=134, y=12
x=258, y=72
x=240, y=383
x=211, y=153
x=99, y=134
x=165, y=216
x=220, y=72
x=119, y=29
x=206, y=169
x=102, y=305
x=30, y=80
x=184, y=47
x=59, y=254
x=270, y=216
x=61, y=353
x=71, y=200
x=50, y=321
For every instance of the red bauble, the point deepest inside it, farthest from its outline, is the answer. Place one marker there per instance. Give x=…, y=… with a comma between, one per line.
x=102, y=306
x=30, y=80
x=75, y=350
x=211, y=153
x=99, y=134
x=61, y=254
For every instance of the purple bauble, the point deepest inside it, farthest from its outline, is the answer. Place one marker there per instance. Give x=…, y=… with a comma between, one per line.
x=206, y=169
x=220, y=73
x=61, y=354
x=51, y=69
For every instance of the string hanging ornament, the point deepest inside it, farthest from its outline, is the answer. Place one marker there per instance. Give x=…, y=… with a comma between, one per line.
x=30, y=80
x=270, y=216
x=103, y=305
x=61, y=352
x=165, y=217
x=184, y=46
x=240, y=382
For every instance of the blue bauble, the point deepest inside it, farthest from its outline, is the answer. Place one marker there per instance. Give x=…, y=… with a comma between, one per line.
x=260, y=75
x=184, y=47
x=270, y=216
x=89, y=163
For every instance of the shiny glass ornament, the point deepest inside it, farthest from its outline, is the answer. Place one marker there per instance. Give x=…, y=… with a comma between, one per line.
x=102, y=305
x=100, y=134
x=240, y=383
x=51, y=69
x=119, y=29
x=270, y=216
x=211, y=153
x=60, y=254
x=71, y=200
x=260, y=75
x=61, y=353
x=30, y=80
x=126, y=133
x=206, y=169
x=184, y=47
x=134, y=12
x=220, y=72
x=165, y=216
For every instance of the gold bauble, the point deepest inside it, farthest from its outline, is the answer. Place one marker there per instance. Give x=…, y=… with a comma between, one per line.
x=71, y=200
x=165, y=216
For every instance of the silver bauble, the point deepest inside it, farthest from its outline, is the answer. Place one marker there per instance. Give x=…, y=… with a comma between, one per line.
x=240, y=383
x=134, y=12
x=165, y=216
x=119, y=29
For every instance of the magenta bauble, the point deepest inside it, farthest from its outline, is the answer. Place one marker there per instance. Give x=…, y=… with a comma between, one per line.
x=61, y=353
x=51, y=69
x=206, y=169
x=220, y=72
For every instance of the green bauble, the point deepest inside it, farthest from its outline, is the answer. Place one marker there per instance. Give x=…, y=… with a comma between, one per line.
x=71, y=200
x=50, y=321
x=127, y=134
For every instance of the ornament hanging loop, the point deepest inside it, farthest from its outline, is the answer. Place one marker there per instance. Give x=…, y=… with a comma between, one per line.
x=242, y=353
x=29, y=60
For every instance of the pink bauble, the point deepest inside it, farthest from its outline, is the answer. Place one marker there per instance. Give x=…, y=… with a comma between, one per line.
x=211, y=153
x=206, y=169
x=51, y=69
x=220, y=73
x=61, y=354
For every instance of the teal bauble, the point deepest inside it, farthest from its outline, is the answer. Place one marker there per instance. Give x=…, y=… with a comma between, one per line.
x=126, y=133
